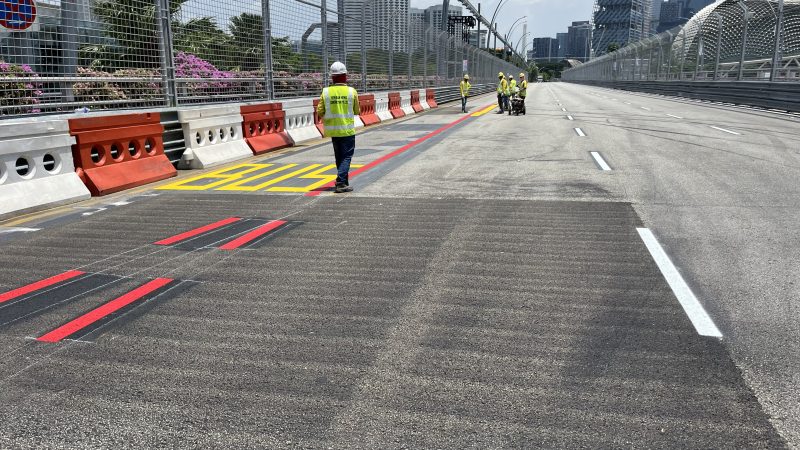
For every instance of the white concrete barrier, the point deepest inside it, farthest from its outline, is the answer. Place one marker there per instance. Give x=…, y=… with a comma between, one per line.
x=423, y=99
x=300, y=120
x=382, y=106
x=405, y=102
x=36, y=167
x=213, y=136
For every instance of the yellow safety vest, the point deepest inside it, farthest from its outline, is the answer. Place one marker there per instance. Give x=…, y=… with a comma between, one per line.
x=338, y=116
x=523, y=88
x=465, y=88
x=502, y=86
x=511, y=87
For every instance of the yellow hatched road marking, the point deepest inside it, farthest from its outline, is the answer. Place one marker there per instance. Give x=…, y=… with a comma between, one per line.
x=237, y=186
x=317, y=174
x=220, y=175
x=483, y=111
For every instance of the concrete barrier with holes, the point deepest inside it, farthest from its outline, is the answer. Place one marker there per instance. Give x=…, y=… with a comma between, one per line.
x=36, y=167
x=300, y=120
x=213, y=136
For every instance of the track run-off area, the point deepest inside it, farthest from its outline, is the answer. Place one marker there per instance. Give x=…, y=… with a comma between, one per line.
x=609, y=270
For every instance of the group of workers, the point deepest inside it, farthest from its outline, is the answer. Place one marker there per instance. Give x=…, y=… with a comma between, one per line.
x=507, y=87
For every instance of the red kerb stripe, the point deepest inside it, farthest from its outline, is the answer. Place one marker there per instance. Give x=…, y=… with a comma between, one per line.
x=196, y=231
x=6, y=296
x=104, y=310
x=252, y=235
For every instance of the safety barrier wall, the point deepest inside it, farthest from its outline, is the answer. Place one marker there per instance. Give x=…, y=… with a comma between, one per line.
x=430, y=96
x=783, y=96
x=405, y=102
x=382, y=106
x=395, y=105
x=212, y=135
x=36, y=167
x=300, y=120
x=366, y=103
x=118, y=152
x=415, y=101
x=264, y=127
x=423, y=100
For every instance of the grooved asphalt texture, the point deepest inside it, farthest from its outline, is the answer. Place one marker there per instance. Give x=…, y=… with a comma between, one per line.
x=379, y=322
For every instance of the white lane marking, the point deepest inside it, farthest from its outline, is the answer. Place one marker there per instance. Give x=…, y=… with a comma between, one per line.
x=563, y=109
x=700, y=319
x=645, y=108
x=91, y=213
x=570, y=118
x=600, y=161
x=580, y=132
x=120, y=203
x=723, y=129
x=627, y=103
x=677, y=117
x=7, y=230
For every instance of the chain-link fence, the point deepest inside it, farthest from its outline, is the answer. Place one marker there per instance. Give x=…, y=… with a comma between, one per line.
x=755, y=40
x=58, y=56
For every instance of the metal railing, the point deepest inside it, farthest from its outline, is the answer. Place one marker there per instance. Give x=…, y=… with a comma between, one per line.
x=122, y=54
x=731, y=40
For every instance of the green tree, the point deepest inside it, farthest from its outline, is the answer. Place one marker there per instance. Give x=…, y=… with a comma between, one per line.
x=612, y=47
x=203, y=38
x=248, y=40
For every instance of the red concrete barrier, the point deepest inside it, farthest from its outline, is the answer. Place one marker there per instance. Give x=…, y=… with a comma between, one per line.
x=114, y=153
x=264, y=127
x=367, y=104
x=415, y=102
x=318, y=119
x=430, y=97
x=394, y=105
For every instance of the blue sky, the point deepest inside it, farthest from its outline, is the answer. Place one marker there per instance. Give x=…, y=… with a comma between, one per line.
x=545, y=17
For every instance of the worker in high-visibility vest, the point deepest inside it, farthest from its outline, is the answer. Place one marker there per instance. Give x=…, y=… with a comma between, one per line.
x=502, y=86
x=512, y=86
x=338, y=107
x=523, y=86
x=464, y=88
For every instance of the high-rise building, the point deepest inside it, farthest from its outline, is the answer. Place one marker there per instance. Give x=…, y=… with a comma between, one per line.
x=655, y=14
x=579, y=36
x=562, y=44
x=390, y=15
x=473, y=38
x=620, y=22
x=433, y=15
x=545, y=49
x=416, y=26
x=671, y=14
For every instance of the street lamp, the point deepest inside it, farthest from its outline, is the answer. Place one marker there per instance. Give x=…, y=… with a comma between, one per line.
x=491, y=23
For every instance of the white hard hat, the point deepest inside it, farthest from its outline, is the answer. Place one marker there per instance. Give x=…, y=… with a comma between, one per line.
x=338, y=68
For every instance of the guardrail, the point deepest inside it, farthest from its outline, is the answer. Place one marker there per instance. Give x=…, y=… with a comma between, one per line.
x=776, y=95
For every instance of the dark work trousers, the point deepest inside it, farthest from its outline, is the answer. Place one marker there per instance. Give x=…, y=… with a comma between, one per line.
x=343, y=148
x=501, y=102
x=464, y=104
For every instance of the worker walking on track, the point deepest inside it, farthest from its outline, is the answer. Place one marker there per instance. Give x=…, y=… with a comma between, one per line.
x=512, y=85
x=338, y=107
x=464, y=88
x=523, y=87
x=502, y=86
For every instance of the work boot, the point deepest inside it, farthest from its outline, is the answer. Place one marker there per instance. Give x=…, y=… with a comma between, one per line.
x=341, y=188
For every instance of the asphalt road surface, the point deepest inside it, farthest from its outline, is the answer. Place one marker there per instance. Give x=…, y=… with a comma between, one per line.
x=610, y=270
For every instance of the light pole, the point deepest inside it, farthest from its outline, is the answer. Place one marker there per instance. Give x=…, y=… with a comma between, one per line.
x=777, y=58
x=364, y=45
x=492, y=25
x=746, y=13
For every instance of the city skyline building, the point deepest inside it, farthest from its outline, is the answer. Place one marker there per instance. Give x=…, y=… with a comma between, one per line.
x=579, y=36
x=619, y=22
x=544, y=49
x=562, y=44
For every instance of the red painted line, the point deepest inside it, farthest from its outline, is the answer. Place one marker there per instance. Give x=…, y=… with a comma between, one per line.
x=6, y=296
x=252, y=235
x=391, y=155
x=196, y=231
x=104, y=310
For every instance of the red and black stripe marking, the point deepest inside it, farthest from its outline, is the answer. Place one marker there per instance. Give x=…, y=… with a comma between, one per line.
x=229, y=234
x=94, y=322
x=37, y=297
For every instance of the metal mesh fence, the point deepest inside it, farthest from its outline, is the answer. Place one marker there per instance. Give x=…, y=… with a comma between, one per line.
x=747, y=40
x=63, y=55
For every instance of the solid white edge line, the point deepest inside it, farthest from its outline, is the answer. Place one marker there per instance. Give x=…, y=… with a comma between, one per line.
x=645, y=108
x=580, y=132
x=691, y=306
x=5, y=230
x=570, y=118
x=677, y=117
x=600, y=161
x=723, y=129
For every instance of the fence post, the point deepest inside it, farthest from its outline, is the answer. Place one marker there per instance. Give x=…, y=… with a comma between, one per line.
x=391, y=52
x=69, y=31
x=744, y=39
x=364, y=46
x=425, y=58
x=165, y=48
x=409, y=37
x=267, y=26
x=777, y=57
x=699, y=51
x=323, y=18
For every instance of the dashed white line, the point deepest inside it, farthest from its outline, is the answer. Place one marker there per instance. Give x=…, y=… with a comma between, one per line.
x=673, y=115
x=700, y=319
x=569, y=118
x=580, y=132
x=6, y=230
x=600, y=161
x=645, y=108
x=723, y=129
x=627, y=103
x=564, y=109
